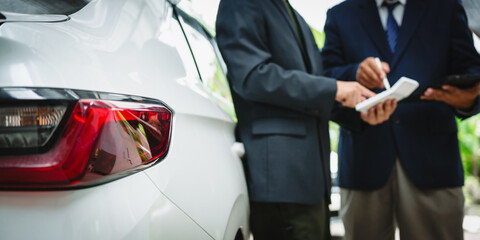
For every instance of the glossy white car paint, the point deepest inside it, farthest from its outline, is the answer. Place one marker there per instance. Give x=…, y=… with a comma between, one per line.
x=15, y=17
x=131, y=47
x=129, y=208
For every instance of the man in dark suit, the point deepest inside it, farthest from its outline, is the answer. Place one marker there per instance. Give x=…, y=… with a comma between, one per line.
x=283, y=105
x=407, y=170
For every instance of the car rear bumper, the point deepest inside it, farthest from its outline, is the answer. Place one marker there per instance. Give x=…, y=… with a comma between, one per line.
x=129, y=208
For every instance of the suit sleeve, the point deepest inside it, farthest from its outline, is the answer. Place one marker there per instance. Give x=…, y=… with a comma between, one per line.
x=333, y=56
x=242, y=38
x=335, y=66
x=464, y=57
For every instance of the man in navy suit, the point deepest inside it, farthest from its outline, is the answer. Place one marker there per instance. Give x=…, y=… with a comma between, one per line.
x=406, y=171
x=283, y=106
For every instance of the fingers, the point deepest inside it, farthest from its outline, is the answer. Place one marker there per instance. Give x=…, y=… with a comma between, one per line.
x=450, y=89
x=386, y=111
x=390, y=108
x=361, y=94
x=378, y=68
x=380, y=113
x=368, y=116
x=367, y=78
x=434, y=94
x=369, y=74
x=375, y=72
x=386, y=68
x=455, y=97
x=350, y=94
x=366, y=92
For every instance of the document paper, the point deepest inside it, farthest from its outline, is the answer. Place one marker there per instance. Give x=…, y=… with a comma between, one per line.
x=402, y=89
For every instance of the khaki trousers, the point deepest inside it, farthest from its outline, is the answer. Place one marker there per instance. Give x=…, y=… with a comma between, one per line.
x=419, y=214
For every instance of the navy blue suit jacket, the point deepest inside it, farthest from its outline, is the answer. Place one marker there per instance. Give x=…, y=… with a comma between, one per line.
x=282, y=103
x=434, y=41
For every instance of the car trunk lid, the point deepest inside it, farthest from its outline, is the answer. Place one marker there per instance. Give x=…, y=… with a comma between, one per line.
x=20, y=17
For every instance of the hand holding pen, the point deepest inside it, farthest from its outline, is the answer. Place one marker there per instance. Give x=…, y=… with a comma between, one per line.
x=386, y=84
x=372, y=73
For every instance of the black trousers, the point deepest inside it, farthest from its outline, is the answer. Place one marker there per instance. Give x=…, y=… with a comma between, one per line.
x=290, y=221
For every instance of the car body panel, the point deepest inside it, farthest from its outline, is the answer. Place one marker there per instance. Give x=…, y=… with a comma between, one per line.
x=16, y=17
x=184, y=169
x=133, y=47
x=49, y=54
x=129, y=208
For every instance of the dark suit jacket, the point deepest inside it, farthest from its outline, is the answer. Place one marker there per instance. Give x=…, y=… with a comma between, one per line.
x=434, y=41
x=282, y=103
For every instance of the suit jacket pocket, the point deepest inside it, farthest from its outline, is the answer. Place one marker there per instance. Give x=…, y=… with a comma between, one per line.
x=283, y=126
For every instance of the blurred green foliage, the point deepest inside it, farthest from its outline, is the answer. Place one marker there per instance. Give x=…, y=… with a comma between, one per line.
x=221, y=90
x=469, y=137
x=319, y=37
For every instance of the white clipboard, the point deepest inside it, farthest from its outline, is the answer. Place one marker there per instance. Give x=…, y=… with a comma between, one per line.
x=402, y=89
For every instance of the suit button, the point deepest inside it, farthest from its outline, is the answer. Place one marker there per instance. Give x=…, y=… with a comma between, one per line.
x=396, y=120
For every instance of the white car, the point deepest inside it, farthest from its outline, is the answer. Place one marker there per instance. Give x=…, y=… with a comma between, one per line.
x=115, y=123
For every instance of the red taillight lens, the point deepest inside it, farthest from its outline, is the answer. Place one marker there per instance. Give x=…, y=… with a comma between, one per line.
x=102, y=140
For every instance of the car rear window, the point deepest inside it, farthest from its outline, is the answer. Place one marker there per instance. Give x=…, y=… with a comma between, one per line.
x=42, y=6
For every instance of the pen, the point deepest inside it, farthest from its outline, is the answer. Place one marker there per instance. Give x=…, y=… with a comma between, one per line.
x=385, y=80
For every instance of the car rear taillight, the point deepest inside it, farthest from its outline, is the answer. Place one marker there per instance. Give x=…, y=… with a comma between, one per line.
x=100, y=141
x=29, y=126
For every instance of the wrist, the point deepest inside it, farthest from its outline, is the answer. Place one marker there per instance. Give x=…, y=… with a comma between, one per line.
x=468, y=107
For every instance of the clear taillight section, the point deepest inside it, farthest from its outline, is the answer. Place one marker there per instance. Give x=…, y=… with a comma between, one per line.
x=29, y=126
x=101, y=140
x=28, y=116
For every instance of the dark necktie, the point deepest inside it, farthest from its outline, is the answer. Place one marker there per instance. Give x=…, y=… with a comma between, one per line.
x=392, y=26
x=292, y=16
x=299, y=35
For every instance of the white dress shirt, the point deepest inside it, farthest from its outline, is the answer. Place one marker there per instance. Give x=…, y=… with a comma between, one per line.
x=397, y=12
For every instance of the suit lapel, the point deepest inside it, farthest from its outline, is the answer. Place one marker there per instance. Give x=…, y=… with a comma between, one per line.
x=286, y=16
x=413, y=13
x=373, y=26
x=308, y=41
x=281, y=7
